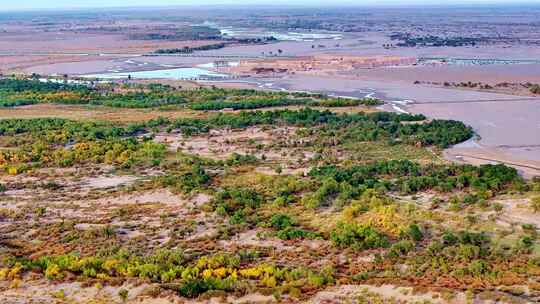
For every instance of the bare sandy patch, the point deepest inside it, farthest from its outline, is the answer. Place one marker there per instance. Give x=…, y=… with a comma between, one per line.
x=252, y=238
x=284, y=171
x=263, y=143
x=347, y=293
x=108, y=181
x=162, y=196
x=43, y=291
x=200, y=199
x=327, y=64
x=518, y=211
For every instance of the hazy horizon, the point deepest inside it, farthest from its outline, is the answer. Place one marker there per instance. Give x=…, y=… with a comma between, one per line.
x=68, y=4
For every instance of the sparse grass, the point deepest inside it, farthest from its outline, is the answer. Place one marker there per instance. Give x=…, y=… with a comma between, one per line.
x=81, y=112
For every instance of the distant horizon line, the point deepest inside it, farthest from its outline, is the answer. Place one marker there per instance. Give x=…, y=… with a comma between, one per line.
x=276, y=6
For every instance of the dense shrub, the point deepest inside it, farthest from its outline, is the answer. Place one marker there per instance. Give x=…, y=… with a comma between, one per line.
x=34, y=85
x=287, y=228
x=188, y=180
x=358, y=237
x=189, y=50
x=410, y=177
x=281, y=221
x=229, y=201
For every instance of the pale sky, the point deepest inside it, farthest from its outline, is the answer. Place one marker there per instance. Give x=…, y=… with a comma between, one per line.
x=61, y=4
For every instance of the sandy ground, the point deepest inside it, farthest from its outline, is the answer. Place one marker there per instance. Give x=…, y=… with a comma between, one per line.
x=518, y=211
x=222, y=144
x=95, y=199
x=391, y=293
x=68, y=42
x=491, y=74
x=43, y=291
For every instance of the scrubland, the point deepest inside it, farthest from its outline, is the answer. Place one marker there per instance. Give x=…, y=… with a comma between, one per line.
x=288, y=204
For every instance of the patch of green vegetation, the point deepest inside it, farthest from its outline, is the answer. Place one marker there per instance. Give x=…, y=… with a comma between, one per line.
x=185, y=181
x=410, y=177
x=17, y=92
x=172, y=269
x=358, y=237
x=189, y=50
x=246, y=104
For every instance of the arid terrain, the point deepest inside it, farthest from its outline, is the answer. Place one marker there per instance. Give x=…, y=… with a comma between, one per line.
x=270, y=155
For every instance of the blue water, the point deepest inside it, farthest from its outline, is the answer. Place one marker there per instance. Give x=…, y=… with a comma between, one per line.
x=177, y=74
